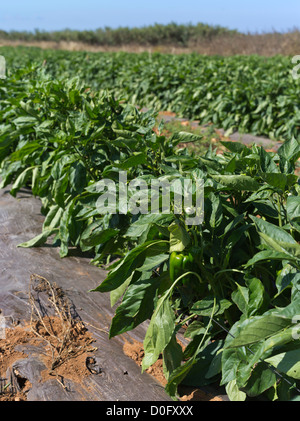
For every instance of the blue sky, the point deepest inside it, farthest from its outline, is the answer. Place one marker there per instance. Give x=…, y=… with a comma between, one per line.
x=244, y=15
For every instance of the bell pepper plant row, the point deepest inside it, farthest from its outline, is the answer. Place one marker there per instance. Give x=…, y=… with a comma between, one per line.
x=232, y=282
x=248, y=94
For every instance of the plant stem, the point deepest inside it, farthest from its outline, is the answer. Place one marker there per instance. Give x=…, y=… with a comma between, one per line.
x=279, y=210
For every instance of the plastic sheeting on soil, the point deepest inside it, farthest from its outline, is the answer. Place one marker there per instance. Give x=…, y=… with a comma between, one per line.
x=116, y=376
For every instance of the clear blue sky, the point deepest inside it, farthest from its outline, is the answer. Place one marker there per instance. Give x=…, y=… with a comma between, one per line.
x=244, y=15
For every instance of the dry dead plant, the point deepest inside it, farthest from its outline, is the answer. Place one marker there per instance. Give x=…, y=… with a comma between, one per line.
x=66, y=337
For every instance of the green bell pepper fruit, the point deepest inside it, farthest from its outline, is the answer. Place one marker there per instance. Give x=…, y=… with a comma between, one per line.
x=180, y=263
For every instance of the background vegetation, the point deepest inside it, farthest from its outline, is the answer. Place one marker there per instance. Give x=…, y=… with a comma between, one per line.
x=201, y=38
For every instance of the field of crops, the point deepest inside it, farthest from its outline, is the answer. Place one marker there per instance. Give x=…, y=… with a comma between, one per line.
x=232, y=282
x=250, y=94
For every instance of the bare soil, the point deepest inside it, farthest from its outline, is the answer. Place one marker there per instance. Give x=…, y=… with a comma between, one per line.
x=135, y=351
x=49, y=335
x=65, y=344
x=8, y=355
x=73, y=365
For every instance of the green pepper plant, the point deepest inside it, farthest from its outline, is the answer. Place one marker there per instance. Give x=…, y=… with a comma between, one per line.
x=230, y=284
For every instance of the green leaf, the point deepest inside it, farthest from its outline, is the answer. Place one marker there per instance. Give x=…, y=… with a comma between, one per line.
x=53, y=217
x=293, y=207
x=204, y=307
x=237, y=182
x=241, y=298
x=78, y=177
x=287, y=362
x=139, y=227
x=198, y=377
x=133, y=260
x=21, y=181
x=172, y=357
x=257, y=296
x=267, y=255
x=138, y=158
x=153, y=262
x=185, y=137
x=159, y=332
x=267, y=163
x=137, y=306
x=276, y=238
x=259, y=328
x=234, y=393
x=64, y=228
x=59, y=188
x=286, y=277
x=262, y=350
x=215, y=367
x=216, y=216
x=25, y=121
x=196, y=328
x=177, y=376
x=27, y=149
x=117, y=293
x=235, y=147
x=276, y=180
x=100, y=236
x=290, y=150
x=231, y=357
x=39, y=239
x=262, y=378
x=179, y=237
